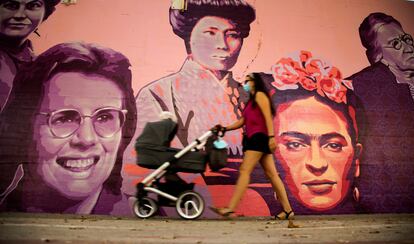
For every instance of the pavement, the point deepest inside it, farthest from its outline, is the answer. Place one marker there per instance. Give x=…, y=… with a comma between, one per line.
x=64, y=228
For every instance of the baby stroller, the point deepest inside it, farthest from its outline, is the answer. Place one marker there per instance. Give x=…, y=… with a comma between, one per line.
x=154, y=152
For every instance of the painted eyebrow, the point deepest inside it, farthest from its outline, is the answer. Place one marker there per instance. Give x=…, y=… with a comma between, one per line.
x=225, y=30
x=212, y=28
x=393, y=39
x=11, y=1
x=400, y=36
x=35, y=1
x=328, y=136
x=307, y=138
x=299, y=135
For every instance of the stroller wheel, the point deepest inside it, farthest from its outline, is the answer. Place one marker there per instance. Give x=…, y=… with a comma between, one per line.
x=190, y=205
x=145, y=207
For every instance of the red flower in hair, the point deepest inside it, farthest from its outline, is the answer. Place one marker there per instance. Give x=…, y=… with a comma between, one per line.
x=311, y=74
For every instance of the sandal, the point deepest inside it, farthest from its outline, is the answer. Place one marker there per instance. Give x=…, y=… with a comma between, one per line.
x=287, y=215
x=224, y=212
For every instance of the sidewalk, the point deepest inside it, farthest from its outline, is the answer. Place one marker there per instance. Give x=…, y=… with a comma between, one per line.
x=58, y=228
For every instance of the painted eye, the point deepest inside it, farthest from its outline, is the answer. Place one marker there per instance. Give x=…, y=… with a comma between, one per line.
x=294, y=146
x=62, y=120
x=107, y=116
x=210, y=33
x=65, y=118
x=104, y=118
x=335, y=147
x=11, y=5
x=233, y=34
x=408, y=39
x=396, y=44
x=34, y=5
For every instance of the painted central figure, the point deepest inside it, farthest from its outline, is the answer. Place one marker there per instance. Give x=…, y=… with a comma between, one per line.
x=203, y=92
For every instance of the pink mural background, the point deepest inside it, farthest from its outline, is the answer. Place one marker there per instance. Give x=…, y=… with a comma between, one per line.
x=142, y=32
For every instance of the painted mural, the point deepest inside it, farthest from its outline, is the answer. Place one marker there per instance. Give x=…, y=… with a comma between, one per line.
x=74, y=102
x=71, y=148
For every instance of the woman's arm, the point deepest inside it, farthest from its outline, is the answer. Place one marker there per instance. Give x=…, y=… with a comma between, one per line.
x=236, y=125
x=264, y=104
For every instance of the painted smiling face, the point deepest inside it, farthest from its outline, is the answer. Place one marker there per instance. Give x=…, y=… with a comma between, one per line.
x=215, y=43
x=316, y=152
x=19, y=18
x=78, y=132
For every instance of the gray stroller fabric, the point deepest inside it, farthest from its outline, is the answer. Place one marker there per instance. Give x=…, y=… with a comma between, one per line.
x=159, y=133
x=153, y=149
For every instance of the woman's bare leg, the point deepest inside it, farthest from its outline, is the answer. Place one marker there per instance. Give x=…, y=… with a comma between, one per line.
x=269, y=167
x=250, y=159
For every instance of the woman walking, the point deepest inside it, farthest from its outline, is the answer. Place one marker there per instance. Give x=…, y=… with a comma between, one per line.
x=258, y=146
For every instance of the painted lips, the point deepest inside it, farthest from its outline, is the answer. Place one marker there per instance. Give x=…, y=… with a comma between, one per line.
x=17, y=26
x=77, y=164
x=320, y=187
x=219, y=57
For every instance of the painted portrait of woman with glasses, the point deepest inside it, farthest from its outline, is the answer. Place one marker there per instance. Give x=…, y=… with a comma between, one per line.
x=77, y=104
x=386, y=90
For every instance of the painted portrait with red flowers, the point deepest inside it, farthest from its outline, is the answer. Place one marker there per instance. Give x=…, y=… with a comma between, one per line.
x=315, y=124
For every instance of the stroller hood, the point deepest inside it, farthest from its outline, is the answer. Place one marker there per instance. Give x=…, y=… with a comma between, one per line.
x=153, y=149
x=158, y=133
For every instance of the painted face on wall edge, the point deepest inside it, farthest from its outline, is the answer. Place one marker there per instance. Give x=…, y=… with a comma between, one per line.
x=396, y=46
x=20, y=18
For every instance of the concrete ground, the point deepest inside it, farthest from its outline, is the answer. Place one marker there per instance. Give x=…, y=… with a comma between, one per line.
x=58, y=228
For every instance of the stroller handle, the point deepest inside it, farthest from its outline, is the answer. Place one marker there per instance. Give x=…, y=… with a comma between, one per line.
x=194, y=143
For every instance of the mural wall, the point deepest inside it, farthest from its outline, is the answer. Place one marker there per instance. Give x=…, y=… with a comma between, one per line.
x=78, y=84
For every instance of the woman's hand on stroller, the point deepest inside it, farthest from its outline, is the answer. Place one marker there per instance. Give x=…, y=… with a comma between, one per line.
x=219, y=130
